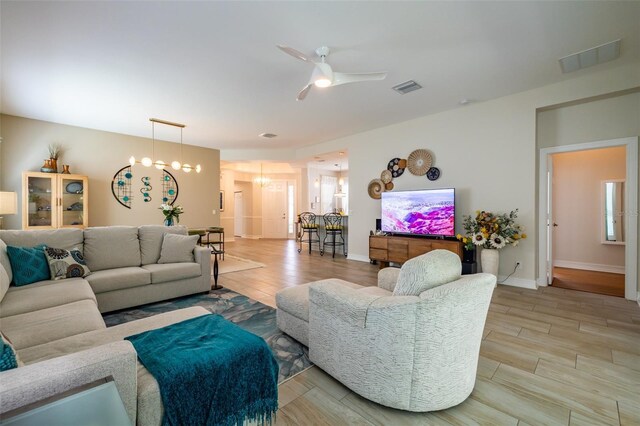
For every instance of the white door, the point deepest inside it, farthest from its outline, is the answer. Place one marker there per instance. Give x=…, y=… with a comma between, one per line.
x=274, y=210
x=550, y=223
x=238, y=216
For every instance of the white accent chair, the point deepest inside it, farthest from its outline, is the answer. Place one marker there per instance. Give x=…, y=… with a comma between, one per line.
x=412, y=343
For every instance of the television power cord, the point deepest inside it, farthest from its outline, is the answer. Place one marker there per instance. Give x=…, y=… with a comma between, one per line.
x=515, y=268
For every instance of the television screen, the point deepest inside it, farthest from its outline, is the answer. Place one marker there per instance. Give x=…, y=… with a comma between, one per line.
x=424, y=212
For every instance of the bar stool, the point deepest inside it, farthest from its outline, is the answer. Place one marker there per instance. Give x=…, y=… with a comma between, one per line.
x=333, y=227
x=308, y=226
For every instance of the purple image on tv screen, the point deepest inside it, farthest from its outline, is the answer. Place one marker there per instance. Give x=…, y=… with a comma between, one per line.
x=426, y=212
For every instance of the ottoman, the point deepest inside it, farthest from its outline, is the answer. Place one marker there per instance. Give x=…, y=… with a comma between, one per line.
x=292, y=316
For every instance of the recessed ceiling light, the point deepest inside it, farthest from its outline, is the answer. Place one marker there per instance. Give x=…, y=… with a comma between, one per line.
x=267, y=135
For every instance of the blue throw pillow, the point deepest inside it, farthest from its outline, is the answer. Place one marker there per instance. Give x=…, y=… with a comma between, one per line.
x=29, y=264
x=8, y=358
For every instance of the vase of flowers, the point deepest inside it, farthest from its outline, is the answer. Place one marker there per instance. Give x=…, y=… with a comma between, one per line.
x=491, y=232
x=170, y=213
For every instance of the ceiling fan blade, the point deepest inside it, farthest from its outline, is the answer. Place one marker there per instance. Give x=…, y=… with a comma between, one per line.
x=293, y=52
x=344, y=78
x=304, y=91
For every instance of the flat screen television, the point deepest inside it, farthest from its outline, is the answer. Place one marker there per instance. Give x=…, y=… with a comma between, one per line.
x=428, y=212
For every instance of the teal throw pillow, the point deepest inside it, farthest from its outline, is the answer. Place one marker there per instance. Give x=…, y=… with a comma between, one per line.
x=8, y=358
x=29, y=265
x=66, y=263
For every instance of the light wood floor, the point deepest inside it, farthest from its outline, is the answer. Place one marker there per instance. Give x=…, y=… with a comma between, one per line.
x=591, y=281
x=549, y=356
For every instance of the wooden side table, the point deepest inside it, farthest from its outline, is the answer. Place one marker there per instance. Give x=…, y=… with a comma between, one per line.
x=219, y=241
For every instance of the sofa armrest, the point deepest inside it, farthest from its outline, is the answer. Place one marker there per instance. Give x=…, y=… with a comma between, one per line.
x=203, y=257
x=35, y=382
x=388, y=278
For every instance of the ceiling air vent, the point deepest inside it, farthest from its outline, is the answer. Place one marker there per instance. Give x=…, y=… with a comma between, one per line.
x=406, y=87
x=267, y=135
x=594, y=56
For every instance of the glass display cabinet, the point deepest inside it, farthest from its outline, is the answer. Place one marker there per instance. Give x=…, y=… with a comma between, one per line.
x=52, y=200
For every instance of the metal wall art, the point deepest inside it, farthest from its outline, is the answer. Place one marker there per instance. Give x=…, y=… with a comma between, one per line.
x=169, y=188
x=121, y=186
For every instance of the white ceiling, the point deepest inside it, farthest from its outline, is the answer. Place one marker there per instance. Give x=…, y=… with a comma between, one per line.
x=214, y=65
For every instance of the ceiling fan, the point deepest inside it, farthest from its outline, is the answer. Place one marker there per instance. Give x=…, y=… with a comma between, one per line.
x=323, y=75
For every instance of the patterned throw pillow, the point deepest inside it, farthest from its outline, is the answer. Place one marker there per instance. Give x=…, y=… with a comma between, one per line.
x=66, y=263
x=29, y=264
x=8, y=356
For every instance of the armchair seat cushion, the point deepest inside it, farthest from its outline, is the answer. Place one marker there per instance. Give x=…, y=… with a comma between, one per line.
x=162, y=273
x=119, y=278
x=295, y=300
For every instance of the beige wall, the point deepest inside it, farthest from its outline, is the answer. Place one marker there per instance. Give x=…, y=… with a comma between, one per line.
x=486, y=150
x=99, y=155
x=577, y=208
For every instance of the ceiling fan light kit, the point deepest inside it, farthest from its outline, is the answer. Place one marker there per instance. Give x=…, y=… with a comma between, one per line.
x=323, y=75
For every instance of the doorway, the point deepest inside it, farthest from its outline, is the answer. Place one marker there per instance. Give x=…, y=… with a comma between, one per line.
x=274, y=210
x=552, y=233
x=238, y=214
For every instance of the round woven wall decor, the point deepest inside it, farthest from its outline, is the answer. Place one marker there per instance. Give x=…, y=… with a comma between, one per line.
x=388, y=186
x=386, y=176
x=395, y=167
x=419, y=162
x=375, y=189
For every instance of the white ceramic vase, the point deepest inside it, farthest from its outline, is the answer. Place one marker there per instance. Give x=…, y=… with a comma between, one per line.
x=490, y=261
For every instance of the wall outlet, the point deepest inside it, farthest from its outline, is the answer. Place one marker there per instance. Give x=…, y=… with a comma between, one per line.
x=518, y=264
x=213, y=211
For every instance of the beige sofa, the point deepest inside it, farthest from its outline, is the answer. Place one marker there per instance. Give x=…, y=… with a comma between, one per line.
x=57, y=328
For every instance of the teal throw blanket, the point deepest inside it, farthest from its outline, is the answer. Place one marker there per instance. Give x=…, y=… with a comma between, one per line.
x=210, y=372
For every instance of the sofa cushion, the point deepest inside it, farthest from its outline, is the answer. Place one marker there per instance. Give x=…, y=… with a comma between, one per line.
x=178, y=248
x=65, y=263
x=119, y=278
x=295, y=300
x=47, y=325
x=66, y=238
x=95, y=338
x=162, y=273
x=151, y=237
x=45, y=294
x=427, y=271
x=29, y=264
x=111, y=247
x=4, y=260
x=4, y=282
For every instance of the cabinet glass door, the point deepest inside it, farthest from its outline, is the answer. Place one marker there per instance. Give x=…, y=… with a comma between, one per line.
x=41, y=202
x=72, y=194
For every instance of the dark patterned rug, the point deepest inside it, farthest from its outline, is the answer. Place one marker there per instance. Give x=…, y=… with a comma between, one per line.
x=251, y=315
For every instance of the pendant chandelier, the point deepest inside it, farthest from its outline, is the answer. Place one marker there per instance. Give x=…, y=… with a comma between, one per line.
x=339, y=192
x=262, y=180
x=159, y=164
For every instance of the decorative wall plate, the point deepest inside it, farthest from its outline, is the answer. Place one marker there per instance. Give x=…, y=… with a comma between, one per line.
x=395, y=168
x=419, y=162
x=121, y=186
x=388, y=186
x=433, y=173
x=74, y=188
x=386, y=176
x=375, y=189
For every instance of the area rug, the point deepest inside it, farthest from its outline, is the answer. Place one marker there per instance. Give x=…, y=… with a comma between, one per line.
x=253, y=316
x=235, y=264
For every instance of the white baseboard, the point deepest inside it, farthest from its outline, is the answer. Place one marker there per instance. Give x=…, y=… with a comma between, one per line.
x=589, y=266
x=358, y=257
x=252, y=237
x=541, y=282
x=518, y=282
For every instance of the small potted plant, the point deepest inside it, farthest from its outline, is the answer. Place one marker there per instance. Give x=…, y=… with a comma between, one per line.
x=170, y=213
